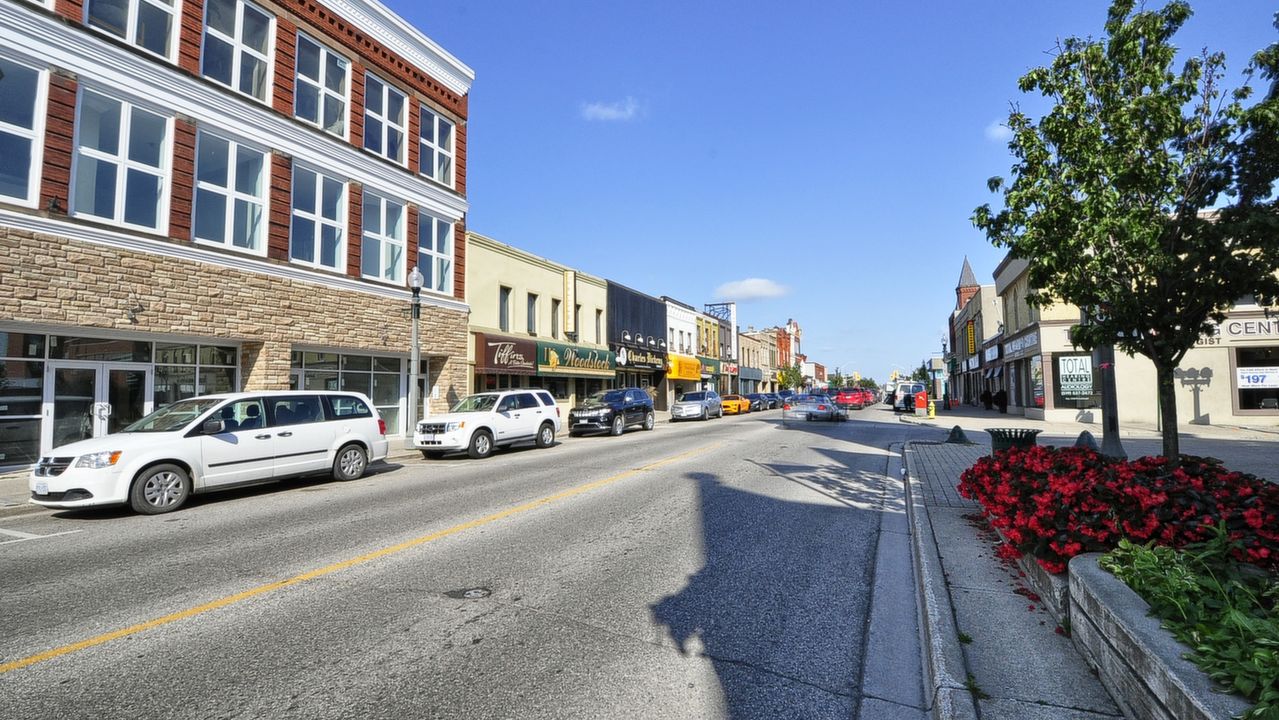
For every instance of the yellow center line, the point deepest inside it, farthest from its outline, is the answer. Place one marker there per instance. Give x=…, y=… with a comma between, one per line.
x=335, y=567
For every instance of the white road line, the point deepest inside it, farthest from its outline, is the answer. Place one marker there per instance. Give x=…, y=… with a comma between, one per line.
x=23, y=537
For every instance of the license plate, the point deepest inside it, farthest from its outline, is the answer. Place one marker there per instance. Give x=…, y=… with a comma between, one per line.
x=42, y=488
x=583, y=422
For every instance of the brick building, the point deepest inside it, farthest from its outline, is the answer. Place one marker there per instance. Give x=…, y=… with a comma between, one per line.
x=215, y=195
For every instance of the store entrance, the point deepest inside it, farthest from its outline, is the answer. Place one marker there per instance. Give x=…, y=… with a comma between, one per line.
x=90, y=399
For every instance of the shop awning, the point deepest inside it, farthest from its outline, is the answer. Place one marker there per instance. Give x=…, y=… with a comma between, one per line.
x=999, y=371
x=986, y=375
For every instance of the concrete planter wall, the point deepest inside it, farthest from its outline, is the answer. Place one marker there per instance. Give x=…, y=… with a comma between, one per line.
x=1139, y=662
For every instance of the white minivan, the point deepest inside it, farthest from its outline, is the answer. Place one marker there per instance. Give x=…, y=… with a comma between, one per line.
x=212, y=443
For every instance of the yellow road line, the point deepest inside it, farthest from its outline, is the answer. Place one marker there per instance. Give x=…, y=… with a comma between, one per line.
x=335, y=567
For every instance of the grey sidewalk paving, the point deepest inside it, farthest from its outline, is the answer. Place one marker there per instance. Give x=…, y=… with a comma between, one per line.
x=995, y=652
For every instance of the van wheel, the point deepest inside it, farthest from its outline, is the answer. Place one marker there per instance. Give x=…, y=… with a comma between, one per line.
x=546, y=435
x=649, y=420
x=350, y=463
x=481, y=445
x=619, y=425
x=160, y=489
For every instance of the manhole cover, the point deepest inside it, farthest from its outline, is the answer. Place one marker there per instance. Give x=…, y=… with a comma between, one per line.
x=469, y=593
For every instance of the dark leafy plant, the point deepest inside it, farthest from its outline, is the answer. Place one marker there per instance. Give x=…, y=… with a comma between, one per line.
x=1222, y=609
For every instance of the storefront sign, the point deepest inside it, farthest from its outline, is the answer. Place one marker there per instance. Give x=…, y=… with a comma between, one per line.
x=1258, y=378
x=632, y=359
x=730, y=368
x=1017, y=346
x=971, y=332
x=992, y=353
x=972, y=363
x=499, y=355
x=1255, y=329
x=682, y=367
x=710, y=366
x=560, y=359
x=750, y=373
x=1074, y=376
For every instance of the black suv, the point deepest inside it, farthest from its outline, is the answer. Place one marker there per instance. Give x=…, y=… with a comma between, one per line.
x=612, y=411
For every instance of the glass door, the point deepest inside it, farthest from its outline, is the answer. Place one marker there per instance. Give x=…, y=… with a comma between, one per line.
x=85, y=400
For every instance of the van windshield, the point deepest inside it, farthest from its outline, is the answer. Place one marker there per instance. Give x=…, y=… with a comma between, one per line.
x=174, y=417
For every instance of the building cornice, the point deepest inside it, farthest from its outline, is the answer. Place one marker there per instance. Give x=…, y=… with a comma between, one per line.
x=497, y=246
x=245, y=263
x=395, y=33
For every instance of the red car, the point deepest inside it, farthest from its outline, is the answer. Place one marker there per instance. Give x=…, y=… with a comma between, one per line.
x=852, y=398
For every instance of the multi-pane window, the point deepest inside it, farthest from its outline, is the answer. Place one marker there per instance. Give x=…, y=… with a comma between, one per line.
x=599, y=326
x=385, y=119
x=145, y=23
x=120, y=162
x=435, y=253
x=230, y=193
x=237, y=46
x=436, y=141
x=320, y=92
x=532, y=314
x=21, y=93
x=317, y=230
x=504, y=309
x=555, y=318
x=382, y=246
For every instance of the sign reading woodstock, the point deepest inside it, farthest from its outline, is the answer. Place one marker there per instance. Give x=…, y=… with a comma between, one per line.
x=560, y=359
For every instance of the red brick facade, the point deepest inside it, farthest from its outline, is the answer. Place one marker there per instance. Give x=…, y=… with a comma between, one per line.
x=59, y=135
x=183, y=195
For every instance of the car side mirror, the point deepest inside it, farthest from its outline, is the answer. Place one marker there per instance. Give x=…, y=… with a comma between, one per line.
x=213, y=427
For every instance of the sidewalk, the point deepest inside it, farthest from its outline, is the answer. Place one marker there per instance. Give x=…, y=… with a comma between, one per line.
x=992, y=650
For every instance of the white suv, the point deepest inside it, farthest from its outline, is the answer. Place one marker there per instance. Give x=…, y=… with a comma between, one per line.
x=211, y=443
x=481, y=422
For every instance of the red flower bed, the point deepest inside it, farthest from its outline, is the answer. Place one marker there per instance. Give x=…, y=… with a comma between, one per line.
x=1055, y=503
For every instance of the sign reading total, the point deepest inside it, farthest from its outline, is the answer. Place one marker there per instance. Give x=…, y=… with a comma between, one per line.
x=1074, y=375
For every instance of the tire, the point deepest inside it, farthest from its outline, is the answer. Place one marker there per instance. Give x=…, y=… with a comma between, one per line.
x=545, y=435
x=432, y=454
x=481, y=445
x=706, y=414
x=618, y=427
x=350, y=463
x=649, y=420
x=160, y=489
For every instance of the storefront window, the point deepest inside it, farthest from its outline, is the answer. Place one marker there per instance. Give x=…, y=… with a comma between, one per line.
x=21, y=345
x=1257, y=377
x=186, y=370
x=62, y=347
x=1037, y=381
x=377, y=377
x=21, y=394
x=1074, y=383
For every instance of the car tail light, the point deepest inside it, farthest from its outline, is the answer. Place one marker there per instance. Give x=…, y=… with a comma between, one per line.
x=786, y=406
x=821, y=407
x=381, y=426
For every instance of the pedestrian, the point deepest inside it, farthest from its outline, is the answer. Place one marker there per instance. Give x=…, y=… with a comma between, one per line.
x=985, y=398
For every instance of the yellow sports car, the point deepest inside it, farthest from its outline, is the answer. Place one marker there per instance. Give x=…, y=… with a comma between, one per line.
x=735, y=404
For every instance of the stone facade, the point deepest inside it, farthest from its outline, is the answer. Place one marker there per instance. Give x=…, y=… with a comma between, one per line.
x=53, y=282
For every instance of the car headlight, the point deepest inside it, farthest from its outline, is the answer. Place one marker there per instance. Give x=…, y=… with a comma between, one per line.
x=98, y=460
x=450, y=427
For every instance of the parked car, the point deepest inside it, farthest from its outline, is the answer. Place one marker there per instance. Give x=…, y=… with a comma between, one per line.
x=812, y=407
x=213, y=442
x=905, y=398
x=785, y=395
x=774, y=400
x=849, y=398
x=612, y=411
x=698, y=405
x=735, y=404
x=482, y=422
x=758, y=401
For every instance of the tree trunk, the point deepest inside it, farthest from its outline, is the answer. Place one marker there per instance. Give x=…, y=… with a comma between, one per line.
x=1168, y=412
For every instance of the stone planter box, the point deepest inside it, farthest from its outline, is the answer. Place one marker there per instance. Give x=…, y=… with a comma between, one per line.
x=1139, y=662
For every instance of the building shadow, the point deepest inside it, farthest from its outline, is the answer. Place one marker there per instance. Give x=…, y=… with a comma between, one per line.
x=781, y=620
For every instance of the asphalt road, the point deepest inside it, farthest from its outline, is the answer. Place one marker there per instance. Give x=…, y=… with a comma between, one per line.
x=723, y=569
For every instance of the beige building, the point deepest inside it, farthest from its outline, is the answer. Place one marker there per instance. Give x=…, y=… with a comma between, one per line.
x=535, y=323
x=769, y=361
x=1229, y=378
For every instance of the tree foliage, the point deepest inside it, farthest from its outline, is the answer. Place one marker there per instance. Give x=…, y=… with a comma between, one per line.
x=1113, y=191
x=792, y=377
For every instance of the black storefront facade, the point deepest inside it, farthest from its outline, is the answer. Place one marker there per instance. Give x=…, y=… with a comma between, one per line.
x=637, y=337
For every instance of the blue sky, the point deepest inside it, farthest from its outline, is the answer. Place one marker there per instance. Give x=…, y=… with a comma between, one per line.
x=834, y=150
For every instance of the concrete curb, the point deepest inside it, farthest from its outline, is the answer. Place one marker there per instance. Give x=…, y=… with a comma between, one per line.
x=945, y=675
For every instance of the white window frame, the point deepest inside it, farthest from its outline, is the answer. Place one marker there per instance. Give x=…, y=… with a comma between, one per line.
x=402, y=126
x=432, y=258
x=319, y=220
x=322, y=86
x=123, y=163
x=383, y=239
x=131, y=20
x=35, y=134
x=238, y=47
x=232, y=194
x=436, y=149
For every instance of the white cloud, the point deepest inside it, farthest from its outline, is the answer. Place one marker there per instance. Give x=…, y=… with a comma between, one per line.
x=750, y=289
x=620, y=111
x=997, y=131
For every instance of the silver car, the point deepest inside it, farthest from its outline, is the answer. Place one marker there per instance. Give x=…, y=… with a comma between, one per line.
x=812, y=407
x=699, y=405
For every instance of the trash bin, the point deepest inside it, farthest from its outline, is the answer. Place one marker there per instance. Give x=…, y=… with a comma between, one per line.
x=1004, y=438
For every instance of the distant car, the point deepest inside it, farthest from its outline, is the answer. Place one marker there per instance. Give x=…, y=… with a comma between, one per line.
x=758, y=401
x=735, y=404
x=849, y=398
x=812, y=407
x=479, y=423
x=612, y=411
x=784, y=395
x=213, y=442
x=774, y=400
x=699, y=405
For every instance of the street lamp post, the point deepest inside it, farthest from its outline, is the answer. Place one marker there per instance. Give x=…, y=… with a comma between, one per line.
x=415, y=354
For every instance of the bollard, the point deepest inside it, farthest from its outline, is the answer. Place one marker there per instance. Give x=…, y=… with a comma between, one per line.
x=1086, y=440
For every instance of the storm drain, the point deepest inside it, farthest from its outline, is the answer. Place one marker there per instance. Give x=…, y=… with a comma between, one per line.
x=478, y=593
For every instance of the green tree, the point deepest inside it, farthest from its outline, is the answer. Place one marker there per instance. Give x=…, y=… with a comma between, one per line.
x=868, y=383
x=921, y=372
x=836, y=380
x=1111, y=190
x=792, y=377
